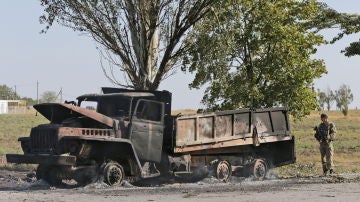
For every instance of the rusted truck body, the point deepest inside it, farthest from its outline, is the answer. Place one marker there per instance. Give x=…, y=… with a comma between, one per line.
x=130, y=131
x=248, y=140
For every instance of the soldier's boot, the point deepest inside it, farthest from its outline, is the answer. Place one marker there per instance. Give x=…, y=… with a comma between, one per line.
x=325, y=171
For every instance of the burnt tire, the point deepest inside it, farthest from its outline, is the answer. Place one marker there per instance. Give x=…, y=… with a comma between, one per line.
x=85, y=175
x=259, y=169
x=40, y=171
x=54, y=177
x=51, y=174
x=113, y=174
x=223, y=171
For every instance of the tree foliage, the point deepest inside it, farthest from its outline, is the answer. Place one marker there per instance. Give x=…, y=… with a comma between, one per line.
x=258, y=54
x=321, y=99
x=29, y=101
x=326, y=97
x=7, y=93
x=48, y=96
x=352, y=49
x=343, y=97
x=348, y=24
x=142, y=39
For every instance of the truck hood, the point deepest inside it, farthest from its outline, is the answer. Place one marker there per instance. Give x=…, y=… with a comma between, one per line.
x=58, y=112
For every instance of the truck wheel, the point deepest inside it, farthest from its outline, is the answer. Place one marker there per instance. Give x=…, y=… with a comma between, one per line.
x=54, y=176
x=114, y=174
x=223, y=171
x=40, y=171
x=87, y=174
x=259, y=169
x=51, y=174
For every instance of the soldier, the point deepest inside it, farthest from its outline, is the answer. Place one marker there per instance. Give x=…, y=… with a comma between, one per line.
x=325, y=135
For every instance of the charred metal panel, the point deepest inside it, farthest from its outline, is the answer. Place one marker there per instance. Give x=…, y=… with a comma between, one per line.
x=161, y=96
x=57, y=113
x=279, y=120
x=215, y=127
x=225, y=145
x=206, y=128
x=41, y=159
x=186, y=131
x=263, y=122
x=278, y=153
x=92, y=132
x=147, y=139
x=224, y=126
x=242, y=124
x=44, y=138
x=147, y=130
x=231, y=128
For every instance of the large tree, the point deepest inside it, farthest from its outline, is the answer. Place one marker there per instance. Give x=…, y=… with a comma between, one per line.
x=321, y=99
x=142, y=39
x=259, y=54
x=326, y=97
x=343, y=97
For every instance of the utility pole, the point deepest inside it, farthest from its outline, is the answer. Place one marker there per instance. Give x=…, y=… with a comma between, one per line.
x=15, y=90
x=37, y=92
x=61, y=95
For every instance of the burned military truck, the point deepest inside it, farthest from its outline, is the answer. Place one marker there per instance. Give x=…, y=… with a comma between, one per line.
x=114, y=135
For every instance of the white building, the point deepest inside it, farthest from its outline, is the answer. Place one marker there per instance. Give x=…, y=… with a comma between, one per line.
x=12, y=106
x=4, y=108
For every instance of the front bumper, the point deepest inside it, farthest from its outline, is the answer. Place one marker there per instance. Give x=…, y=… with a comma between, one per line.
x=41, y=159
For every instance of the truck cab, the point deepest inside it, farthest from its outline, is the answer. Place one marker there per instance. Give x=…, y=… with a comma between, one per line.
x=115, y=126
x=138, y=117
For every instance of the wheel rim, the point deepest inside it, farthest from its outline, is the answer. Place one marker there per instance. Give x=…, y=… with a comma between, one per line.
x=223, y=171
x=114, y=174
x=260, y=169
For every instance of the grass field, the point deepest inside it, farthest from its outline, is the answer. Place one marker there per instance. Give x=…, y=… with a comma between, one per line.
x=13, y=126
x=347, y=145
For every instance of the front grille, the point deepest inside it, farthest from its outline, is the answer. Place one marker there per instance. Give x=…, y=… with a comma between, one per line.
x=44, y=138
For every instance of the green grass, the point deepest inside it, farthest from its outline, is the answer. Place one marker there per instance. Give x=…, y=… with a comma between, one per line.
x=13, y=126
x=347, y=145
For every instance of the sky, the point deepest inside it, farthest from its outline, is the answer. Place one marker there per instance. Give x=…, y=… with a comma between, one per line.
x=64, y=59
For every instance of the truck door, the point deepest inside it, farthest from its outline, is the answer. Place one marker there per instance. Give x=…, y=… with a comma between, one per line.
x=146, y=130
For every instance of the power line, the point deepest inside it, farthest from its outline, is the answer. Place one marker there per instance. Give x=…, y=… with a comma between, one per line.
x=60, y=94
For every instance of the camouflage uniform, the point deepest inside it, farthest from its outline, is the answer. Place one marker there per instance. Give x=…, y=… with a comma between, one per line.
x=326, y=135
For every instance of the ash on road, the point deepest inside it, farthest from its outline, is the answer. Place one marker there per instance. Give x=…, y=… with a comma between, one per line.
x=22, y=186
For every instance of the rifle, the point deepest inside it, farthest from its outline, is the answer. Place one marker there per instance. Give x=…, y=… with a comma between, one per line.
x=317, y=134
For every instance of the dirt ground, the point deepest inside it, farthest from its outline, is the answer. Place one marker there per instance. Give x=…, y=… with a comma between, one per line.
x=22, y=186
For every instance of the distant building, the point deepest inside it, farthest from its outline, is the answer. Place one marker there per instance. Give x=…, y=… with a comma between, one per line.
x=4, y=107
x=11, y=106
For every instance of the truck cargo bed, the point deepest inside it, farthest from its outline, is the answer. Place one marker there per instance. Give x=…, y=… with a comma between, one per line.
x=231, y=128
